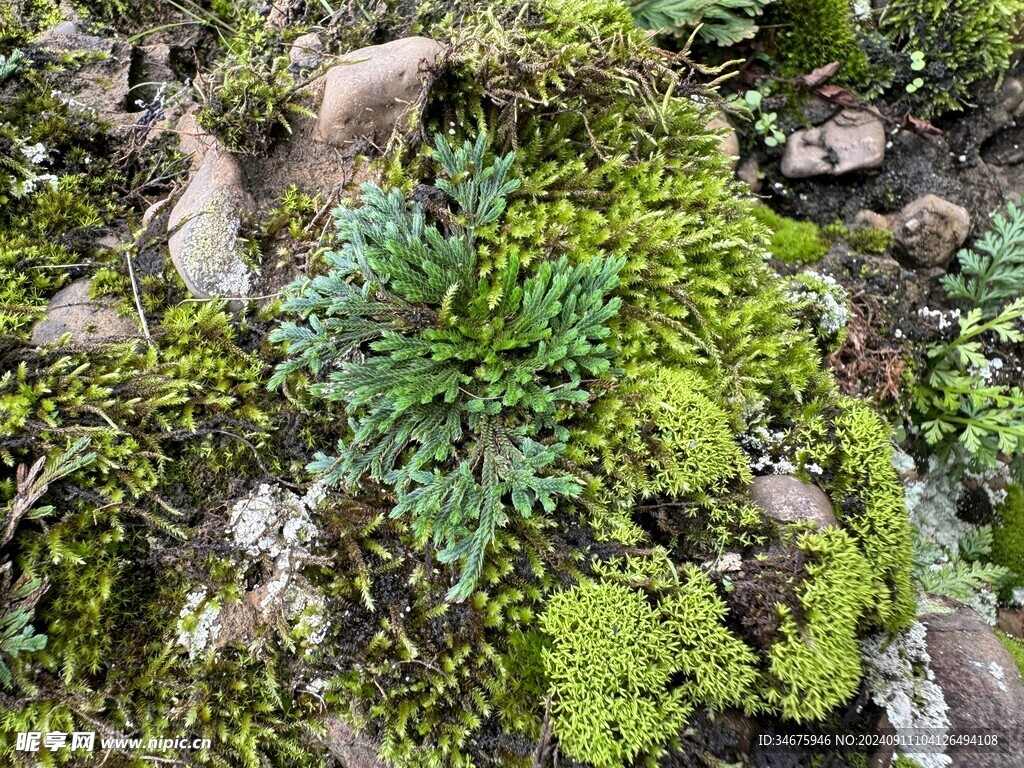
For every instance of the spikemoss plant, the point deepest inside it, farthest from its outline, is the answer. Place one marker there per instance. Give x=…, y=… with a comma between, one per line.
x=465, y=372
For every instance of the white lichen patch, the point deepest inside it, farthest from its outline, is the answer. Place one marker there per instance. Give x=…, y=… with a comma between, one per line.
x=271, y=523
x=198, y=629
x=274, y=527
x=997, y=672
x=950, y=553
x=306, y=611
x=901, y=682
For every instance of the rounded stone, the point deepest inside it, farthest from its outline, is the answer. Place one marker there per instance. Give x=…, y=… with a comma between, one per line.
x=981, y=684
x=928, y=231
x=728, y=141
x=88, y=320
x=852, y=140
x=372, y=89
x=787, y=499
x=204, y=227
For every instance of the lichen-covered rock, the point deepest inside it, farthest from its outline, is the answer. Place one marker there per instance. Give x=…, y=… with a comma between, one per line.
x=787, y=499
x=367, y=94
x=981, y=684
x=87, y=320
x=204, y=227
x=850, y=141
x=928, y=231
x=902, y=683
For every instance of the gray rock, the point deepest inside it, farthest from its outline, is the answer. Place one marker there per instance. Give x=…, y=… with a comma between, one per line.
x=87, y=320
x=981, y=684
x=928, y=231
x=153, y=211
x=729, y=142
x=306, y=52
x=367, y=95
x=204, y=227
x=788, y=499
x=64, y=29
x=852, y=140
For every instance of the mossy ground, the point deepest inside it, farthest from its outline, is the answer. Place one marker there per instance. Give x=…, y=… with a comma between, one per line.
x=713, y=377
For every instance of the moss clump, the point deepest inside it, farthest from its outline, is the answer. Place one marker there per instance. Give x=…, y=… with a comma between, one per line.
x=870, y=504
x=681, y=443
x=252, y=94
x=1008, y=536
x=816, y=664
x=633, y=653
x=962, y=41
x=792, y=242
x=866, y=239
x=610, y=667
x=814, y=33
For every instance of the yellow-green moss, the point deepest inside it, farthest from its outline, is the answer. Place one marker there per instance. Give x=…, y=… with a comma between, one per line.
x=1016, y=648
x=793, y=242
x=1008, y=535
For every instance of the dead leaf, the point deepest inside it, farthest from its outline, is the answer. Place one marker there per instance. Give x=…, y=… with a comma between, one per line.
x=920, y=127
x=818, y=77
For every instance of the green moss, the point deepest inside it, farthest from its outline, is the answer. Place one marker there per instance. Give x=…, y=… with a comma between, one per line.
x=1016, y=648
x=1008, y=535
x=610, y=667
x=869, y=501
x=814, y=33
x=816, y=666
x=252, y=94
x=963, y=42
x=679, y=441
x=793, y=242
x=866, y=239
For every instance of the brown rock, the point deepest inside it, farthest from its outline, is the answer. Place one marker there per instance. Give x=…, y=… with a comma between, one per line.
x=788, y=499
x=367, y=95
x=729, y=142
x=1011, y=622
x=928, y=231
x=852, y=140
x=982, y=687
x=750, y=172
x=204, y=227
x=87, y=320
x=870, y=220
